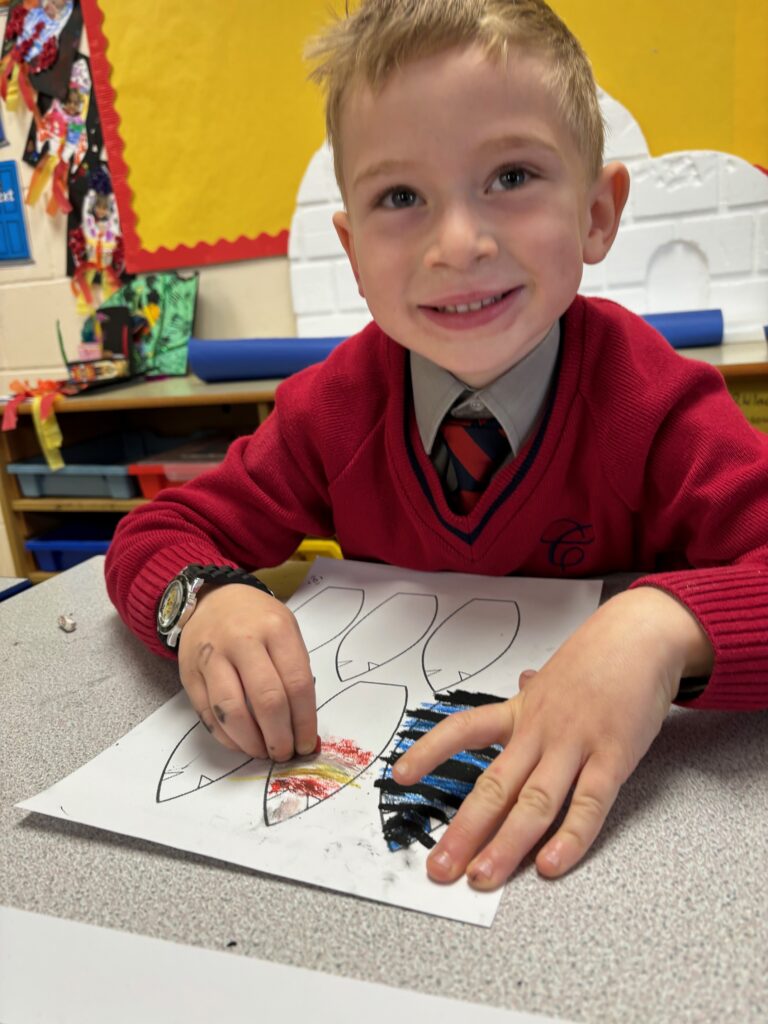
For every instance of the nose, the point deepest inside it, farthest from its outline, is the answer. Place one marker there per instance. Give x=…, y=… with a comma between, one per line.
x=460, y=238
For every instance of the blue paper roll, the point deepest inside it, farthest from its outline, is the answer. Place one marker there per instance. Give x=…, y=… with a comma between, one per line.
x=689, y=329
x=256, y=358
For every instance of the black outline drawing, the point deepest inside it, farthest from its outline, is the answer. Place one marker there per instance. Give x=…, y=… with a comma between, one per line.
x=347, y=624
x=305, y=761
x=383, y=631
x=203, y=780
x=476, y=650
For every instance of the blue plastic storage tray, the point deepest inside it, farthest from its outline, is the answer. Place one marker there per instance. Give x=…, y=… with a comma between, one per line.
x=68, y=545
x=93, y=469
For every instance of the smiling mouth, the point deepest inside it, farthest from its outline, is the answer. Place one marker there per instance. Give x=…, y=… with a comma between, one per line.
x=473, y=307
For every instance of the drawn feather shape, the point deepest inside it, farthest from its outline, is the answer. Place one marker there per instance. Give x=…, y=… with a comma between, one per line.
x=355, y=726
x=387, y=631
x=326, y=614
x=449, y=660
x=411, y=813
x=197, y=761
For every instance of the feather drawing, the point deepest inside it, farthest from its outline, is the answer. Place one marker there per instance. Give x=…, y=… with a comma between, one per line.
x=386, y=632
x=371, y=712
x=448, y=660
x=411, y=813
x=326, y=614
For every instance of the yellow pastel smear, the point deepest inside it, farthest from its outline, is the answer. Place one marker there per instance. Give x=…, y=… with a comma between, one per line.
x=216, y=115
x=327, y=772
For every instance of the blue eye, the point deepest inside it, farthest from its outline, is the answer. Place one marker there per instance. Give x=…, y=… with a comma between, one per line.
x=510, y=178
x=399, y=198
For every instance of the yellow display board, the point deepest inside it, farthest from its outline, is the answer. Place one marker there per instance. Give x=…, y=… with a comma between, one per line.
x=210, y=122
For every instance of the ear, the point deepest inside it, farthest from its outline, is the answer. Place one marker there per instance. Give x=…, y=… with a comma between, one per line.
x=607, y=199
x=344, y=230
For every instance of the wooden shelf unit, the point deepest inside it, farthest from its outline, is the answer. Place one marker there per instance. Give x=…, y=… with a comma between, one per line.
x=174, y=407
x=182, y=405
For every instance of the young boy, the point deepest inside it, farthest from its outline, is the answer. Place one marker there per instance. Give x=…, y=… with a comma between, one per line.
x=468, y=144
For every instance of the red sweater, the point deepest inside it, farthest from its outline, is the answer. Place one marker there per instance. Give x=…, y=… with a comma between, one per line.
x=641, y=461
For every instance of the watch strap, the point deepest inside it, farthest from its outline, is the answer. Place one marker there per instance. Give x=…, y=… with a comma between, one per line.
x=220, y=574
x=216, y=575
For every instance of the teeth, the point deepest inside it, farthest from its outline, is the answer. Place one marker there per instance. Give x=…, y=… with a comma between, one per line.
x=471, y=307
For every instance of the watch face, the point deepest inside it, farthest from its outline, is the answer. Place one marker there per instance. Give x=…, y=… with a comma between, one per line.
x=170, y=605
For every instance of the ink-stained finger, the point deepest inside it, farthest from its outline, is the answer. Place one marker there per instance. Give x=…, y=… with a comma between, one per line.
x=291, y=661
x=593, y=797
x=227, y=701
x=483, y=811
x=194, y=683
x=536, y=806
x=466, y=730
x=267, y=701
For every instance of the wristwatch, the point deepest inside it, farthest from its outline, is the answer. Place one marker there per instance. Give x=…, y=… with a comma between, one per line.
x=180, y=596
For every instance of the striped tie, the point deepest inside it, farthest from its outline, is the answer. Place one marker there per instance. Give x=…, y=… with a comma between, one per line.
x=476, y=449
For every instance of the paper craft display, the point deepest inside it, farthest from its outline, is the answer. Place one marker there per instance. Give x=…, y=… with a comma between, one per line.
x=63, y=141
x=41, y=37
x=165, y=303
x=326, y=819
x=14, y=242
x=94, y=240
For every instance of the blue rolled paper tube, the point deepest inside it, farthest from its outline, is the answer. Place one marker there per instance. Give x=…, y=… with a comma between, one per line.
x=689, y=329
x=255, y=358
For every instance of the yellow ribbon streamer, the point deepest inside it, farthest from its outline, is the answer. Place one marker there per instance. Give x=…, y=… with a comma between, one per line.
x=48, y=434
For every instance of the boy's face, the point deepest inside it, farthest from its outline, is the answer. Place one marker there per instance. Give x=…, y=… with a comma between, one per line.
x=464, y=187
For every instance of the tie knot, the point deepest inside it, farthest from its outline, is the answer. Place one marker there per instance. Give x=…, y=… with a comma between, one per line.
x=476, y=449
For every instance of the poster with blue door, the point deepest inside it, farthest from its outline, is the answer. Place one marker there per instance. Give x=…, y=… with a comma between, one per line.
x=14, y=244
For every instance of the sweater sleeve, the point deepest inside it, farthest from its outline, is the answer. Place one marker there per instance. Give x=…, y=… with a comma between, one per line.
x=251, y=511
x=706, y=502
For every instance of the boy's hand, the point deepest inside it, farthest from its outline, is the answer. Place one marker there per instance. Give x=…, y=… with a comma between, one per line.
x=585, y=719
x=246, y=671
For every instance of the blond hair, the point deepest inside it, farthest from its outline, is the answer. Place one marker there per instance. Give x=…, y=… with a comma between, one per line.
x=383, y=35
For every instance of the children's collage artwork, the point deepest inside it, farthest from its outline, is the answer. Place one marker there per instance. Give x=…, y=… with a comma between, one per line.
x=46, y=84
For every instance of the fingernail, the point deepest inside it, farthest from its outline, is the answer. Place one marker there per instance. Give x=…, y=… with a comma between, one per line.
x=481, y=871
x=528, y=673
x=305, y=749
x=552, y=856
x=441, y=860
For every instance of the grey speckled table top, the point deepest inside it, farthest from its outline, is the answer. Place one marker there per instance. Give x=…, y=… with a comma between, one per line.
x=667, y=920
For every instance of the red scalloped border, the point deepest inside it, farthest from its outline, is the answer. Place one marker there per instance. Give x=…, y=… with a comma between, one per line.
x=137, y=258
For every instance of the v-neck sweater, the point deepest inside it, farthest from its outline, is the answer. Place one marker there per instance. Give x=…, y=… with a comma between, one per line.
x=640, y=461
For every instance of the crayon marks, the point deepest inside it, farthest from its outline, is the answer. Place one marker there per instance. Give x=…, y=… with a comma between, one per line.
x=411, y=813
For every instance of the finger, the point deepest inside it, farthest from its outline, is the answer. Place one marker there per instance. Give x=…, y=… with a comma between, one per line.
x=291, y=661
x=593, y=797
x=267, y=702
x=536, y=806
x=227, y=701
x=465, y=730
x=483, y=811
x=194, y=684
x=525, y=678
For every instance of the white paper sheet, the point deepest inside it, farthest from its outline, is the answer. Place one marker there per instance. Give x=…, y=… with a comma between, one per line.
x=94, y=975
x=381, y=639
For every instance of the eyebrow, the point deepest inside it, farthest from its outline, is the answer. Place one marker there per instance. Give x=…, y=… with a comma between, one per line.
x=384, y=167
x=500, y=143
x=503, y=142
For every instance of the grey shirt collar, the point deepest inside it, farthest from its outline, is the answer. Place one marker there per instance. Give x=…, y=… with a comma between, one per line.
x=514, y=399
